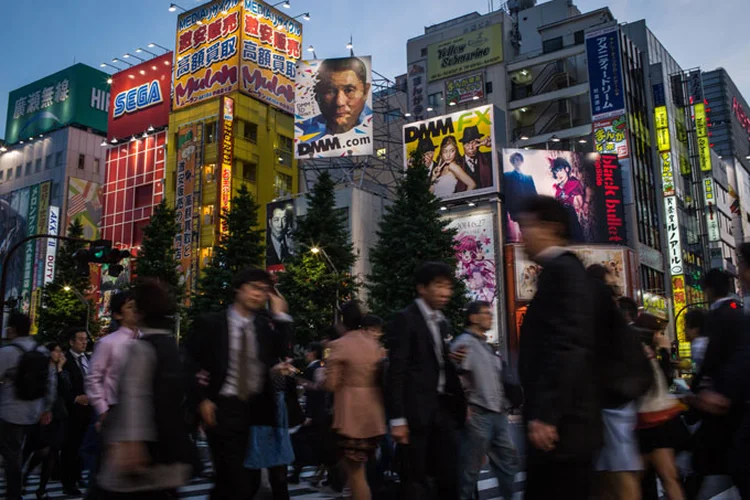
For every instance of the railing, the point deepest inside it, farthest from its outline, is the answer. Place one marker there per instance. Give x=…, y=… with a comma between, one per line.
x=546, y=76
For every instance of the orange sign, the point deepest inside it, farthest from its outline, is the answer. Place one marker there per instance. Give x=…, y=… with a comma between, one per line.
x=227, y=160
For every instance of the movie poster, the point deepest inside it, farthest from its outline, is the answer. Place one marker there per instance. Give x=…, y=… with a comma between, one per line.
x=475, y=252
x=85, y=203
x=458, y=150
x=13, y=213
x=588, y=184
x=333, y=114
x=280, y=227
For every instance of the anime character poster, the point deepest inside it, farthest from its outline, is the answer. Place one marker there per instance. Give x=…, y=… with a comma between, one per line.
x=475, y=251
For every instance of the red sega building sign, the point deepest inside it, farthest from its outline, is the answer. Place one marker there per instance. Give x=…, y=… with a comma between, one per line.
x=140, y=97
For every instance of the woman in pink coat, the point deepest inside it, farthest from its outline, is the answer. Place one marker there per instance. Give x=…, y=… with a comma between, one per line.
x=352, y=374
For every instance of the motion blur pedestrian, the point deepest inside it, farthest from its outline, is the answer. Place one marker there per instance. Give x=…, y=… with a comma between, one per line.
x=424, y=397
x=557, y=361
x=695, y=333
x=353, y=375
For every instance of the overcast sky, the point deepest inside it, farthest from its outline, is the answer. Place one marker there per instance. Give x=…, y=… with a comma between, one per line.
x=41, y=37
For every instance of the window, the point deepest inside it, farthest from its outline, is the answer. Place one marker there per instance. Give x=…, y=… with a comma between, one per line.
x=423, y=52
x=249, y=171
x=28, y=169
x=59, y=159
x=208, y=215
x=283, y=184
x=552, y=45
x=144, y=195
x=286, y=143
x=209, y=175
x=38, y=165
x=48, y=162
x=578, y=37
x=488, y=88
x=96, y=165
x=211, y=132
x=81, y=162
x=434, y=100
x=18, y=172
x=249, y=131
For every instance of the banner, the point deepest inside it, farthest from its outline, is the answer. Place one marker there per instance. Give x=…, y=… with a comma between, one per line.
x=417, y=87
x=53, y=228
x=712, y=210
x=280, y=226
x=465, y=53
x=30, y=248
x=475, y=252
x=458, y=150
x=605, y=73
x=464, y=89
x=45, y=190
x=227, y=160
x=701, y=131
x=333, y=108
x=589, y=185
x=186, y=205
x=85, y=203
x=611, y=136
x=673, y=236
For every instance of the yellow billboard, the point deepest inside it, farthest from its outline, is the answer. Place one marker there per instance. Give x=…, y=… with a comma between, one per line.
x=465, y=53
x=662, y=129
x=679, y=300
x=701, y=131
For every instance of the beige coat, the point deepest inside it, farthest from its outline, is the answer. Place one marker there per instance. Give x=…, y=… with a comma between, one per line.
x=352, y=374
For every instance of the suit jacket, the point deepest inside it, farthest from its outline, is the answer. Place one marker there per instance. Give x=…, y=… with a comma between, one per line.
x=517, y=188
x=413, y=372
x=208, y=350
x=77, y=388
x=482, y=173
x=557, y=360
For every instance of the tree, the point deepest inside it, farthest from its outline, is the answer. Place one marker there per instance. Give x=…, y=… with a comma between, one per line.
x=411, y=232
x=156, y=256
x=314, y=282
x=240, y=247
x=61, y=307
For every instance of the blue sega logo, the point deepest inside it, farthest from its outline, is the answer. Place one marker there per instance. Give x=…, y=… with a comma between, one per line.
x=137, y=98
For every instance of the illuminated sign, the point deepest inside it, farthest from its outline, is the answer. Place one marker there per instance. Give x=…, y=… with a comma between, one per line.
x=53, y=226
x=712, y=215
x=605, y=73
x=465, y=53
x=739, y=113
x=610, y=136
x=673, y=235
x=701, y=131
x=667, y=173
x=463, y=89
x=140, y=97
x=662, y=129
x=227, y=159
x=679, y=300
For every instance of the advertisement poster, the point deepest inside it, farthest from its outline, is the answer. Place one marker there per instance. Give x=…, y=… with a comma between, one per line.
x=53, y=228
x=475, y=251
x=588, y=184
x=208, y=52
x=188, y=163
x=605, y=73
x=32, y=219
x=13, y=212
x=458, y=150
x=280, y=227
x=85, y=203
x=45, y=189
x=465, y=53
x=140, y=97
x=610, y=136
x=226, y=135
x=464, y=88
x=333, y=108
x=271, y=48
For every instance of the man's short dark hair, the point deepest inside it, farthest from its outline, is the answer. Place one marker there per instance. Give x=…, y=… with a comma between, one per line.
x=516, y=157
x=316, y=348
x=597, y=272
x=628, y=306
x=548, y=209
x=339, y=65
x=155, y=302
x=20, y=323
x=475, y=307
x=351, y=315
x=70, y=333
x=694, y=319
x=720, y=282
x=372, y=321
x=119, y=300
x=251, y=275
x=428, y=272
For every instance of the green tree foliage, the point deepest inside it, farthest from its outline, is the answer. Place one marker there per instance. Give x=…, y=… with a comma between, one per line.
x=156, y=256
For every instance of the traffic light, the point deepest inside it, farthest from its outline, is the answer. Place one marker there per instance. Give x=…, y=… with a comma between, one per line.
x=101, y=252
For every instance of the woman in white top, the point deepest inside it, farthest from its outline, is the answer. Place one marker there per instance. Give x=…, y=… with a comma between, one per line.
x=449, y=171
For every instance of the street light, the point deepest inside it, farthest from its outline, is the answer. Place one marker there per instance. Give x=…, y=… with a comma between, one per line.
x=554, y=138
x=116, y=60
x=312, y=49
x=173, y=7
x=162, y=47
x=104, y=65
x=316, y=250
x=286, y=3
x=128, y=54
x=139, y=50
x=83, y=300
x=305, y=16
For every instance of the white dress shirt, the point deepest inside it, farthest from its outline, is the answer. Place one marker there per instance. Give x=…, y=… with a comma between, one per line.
x=433, y=319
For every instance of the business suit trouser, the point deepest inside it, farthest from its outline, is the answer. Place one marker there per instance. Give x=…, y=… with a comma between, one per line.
x=228, y=442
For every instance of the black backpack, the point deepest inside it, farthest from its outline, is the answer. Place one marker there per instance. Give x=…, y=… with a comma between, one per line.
x=31, y=376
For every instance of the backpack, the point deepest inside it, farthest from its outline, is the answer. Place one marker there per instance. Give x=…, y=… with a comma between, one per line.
x=31, y=376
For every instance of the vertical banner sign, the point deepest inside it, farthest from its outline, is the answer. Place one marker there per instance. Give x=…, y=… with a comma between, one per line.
x=612, y=213
x=673, y=235
x=701, y=131
x=53, y=226
x=605, y=73
x=712, y=215
x=680, y=302
x=662, y=129
x=227, y=160
x=41, y=228
x=28, y=262
x=667, y=173
x=416, y=87
x=188, y=157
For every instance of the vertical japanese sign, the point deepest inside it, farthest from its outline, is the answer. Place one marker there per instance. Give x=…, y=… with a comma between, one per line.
x=227, y=160
x=32, y=220
x=712, y=214
x=673, y=235
x=662, y=129
x=667, y=173
x=271, y=47
x=45, y=190
x=679, y=299
x=53, y=226
x=701, y=131
x=416, y=87
x=605, y=73
x=188, y=159
x=208, y=50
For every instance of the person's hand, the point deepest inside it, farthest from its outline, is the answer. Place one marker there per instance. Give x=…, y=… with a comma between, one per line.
x=278, y=303
x=130, y=456
x=46, y=418
x=458, y=355
x=400, y=434
x=307, y=422
x=82, y=400
x=713, y=402
x=543, y=436
x=101, y=420
x=284, y=369
x=61, y=363
x=207, y=409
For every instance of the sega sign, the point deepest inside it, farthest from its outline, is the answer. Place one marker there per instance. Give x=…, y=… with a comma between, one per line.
x=139, y=98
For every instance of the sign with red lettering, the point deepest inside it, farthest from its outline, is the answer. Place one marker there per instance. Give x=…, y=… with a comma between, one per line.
x=739, y=113
x=611, y=213
x=227, y=159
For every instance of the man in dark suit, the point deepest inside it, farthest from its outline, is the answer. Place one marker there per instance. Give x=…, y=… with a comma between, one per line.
x=79, y=411
x=476, y=163
x=424, y=399
x=517, y=187
x=234, y=354
x=557, y=362
x=426, y=149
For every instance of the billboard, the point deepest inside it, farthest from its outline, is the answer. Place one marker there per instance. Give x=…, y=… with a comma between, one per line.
x=464, y=88
x=271, y=48
x=45, y=189
x=85, y=203
x=458, y=150
x=701, y=131
x=333, y=108
x=610, y=136
x=32, y=220
x=605, y=73
x=465, y=53
x=673, y=235
x=53, y=228
x=208, y=52
x=588, y=184
x=475, y=253
x=187, y=199
x=78, y=94
x=140, y=97
x=280, y=226
x=227, y=160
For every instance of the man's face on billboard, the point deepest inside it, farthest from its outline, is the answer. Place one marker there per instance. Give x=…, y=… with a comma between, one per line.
x=277, y=222
x=342, y=97
x=428, y=158
x=471, y=148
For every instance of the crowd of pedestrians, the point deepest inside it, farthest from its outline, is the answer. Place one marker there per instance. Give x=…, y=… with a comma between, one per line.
x=596, y=385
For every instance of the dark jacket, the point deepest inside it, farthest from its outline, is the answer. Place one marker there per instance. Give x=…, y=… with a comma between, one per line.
x=482, y=174
x=77, y=388
x=59, y=407
x=316, y=405
x=208, y=350
x=517, y=188
x=413, y=372
x=557, y=361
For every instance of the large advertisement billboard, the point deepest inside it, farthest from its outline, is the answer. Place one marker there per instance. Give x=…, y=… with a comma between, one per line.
x=458, y=150
x=187, y=200
x=78, y=94
x=333, y=108
x=588, y=184
x=605, y=72
x=280, y=226
x=464, y=53
x=140, y=97
x=85, y=203
x=226, y=135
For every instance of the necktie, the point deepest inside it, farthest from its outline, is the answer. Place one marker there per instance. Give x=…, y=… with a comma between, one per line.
x=82, y=364
x=242, y=364
x=438, y=338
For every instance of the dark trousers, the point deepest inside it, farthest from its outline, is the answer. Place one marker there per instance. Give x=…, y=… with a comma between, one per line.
x=432, y=451
x=565, y=479
x=142, y=495
x=11, y=449
x=71, y=459
x=228, y=442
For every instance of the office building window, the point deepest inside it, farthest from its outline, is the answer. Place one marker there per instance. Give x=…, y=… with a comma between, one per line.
x=434, y=100
x=48, y=162
x=28, y=169
x=283, y=184
x=286, y=143
x=59, y=159
x=81, y=162
x=96, y=165
x=209, y=174
x=249, y=171
x=578, y=37
x=38, y=165
x=249, y=131
x=208, y=215
x=144, y=195
x=211, y=132
x=18, y=172
x=552, y=45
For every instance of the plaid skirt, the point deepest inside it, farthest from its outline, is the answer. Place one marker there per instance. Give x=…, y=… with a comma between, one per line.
x=358, y=450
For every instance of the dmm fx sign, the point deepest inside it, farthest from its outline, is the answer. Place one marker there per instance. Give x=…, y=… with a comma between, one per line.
x=446, y=125
x=673, y=235
x=138, y=98
x=227, y=159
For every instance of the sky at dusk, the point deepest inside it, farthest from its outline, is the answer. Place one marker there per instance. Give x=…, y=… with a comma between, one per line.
x=44, y=36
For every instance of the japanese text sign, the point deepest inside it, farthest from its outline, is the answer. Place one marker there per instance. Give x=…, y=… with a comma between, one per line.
x=605, y=72
x=673, y=235
x=701, y=131
x=464, y=89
